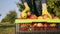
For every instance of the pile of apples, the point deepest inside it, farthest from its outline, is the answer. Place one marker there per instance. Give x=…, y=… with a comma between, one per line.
x=44, y=26
x=41, y=25
x=28, y=15
x=25, y=27
x=53, y=26
x=38, y=26
x=33, y=16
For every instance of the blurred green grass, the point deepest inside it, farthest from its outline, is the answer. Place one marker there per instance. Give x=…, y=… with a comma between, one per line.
x=7, y=29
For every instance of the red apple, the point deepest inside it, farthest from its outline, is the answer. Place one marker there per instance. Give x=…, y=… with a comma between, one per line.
x=45, y=25
x=45, y=16
x=23, y=29
x=33, y=16
x=48, y=28
x=55, y=17
x=41, y=28
x=53, y=28
x=35, y=25
x=53, y=25
x=40, y=25
x=35, y=28
x=28, y=14
x=23, y=25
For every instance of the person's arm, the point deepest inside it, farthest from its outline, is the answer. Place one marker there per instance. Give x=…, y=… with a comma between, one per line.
x=27, y=8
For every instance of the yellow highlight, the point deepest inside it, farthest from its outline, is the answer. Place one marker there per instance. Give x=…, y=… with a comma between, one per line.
x=47, y=13
x=27, y=9
x=37, y=20
x=24, y=15
x=24, y=12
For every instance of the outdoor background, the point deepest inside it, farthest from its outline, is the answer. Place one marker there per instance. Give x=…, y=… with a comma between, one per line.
x=10, y=10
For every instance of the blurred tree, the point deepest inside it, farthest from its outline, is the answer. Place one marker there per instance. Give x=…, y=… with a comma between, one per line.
x=54, y=7
x=20, y=6
x=10, y=17
x=0, y=14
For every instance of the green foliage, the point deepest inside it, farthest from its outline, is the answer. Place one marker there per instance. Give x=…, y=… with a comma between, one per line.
x=20, y=6
x=54, y=6
x=7, y=30
x=10, y=17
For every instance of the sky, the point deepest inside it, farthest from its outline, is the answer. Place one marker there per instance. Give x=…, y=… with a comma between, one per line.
x=6, y=6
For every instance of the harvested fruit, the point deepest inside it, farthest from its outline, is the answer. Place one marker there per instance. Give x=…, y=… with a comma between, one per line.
x=28, y=14
x=45, y=16
x=23, y=25
x=35, y=25
x=53, y=25
x=55, y=17
x=39, y=25
x=33, y=16
x=53, y=28
x=41, y=28
x=35, y=28
x=45, y=25
x=23, y=29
